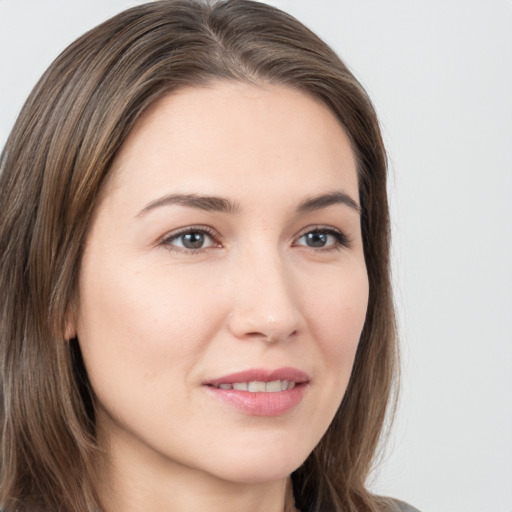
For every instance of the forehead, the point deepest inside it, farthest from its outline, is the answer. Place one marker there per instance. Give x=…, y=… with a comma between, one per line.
x=230, y=133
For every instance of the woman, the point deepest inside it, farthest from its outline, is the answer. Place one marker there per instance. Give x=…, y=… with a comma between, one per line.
x=194, y=254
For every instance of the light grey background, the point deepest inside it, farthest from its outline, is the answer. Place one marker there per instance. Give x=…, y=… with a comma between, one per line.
x=440, y=75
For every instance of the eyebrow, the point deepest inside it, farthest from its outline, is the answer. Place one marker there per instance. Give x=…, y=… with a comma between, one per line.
x=220, y=204
x=207, y=203
x=325, y=200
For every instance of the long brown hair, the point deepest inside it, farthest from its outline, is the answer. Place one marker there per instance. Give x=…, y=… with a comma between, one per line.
x=53, y=168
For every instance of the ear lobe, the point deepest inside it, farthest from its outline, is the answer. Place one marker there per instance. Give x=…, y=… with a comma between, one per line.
x=70, y=324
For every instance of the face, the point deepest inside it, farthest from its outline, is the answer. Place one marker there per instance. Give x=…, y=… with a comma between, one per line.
x=223, y=287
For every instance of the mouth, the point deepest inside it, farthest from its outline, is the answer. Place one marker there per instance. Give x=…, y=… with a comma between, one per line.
x=261, y=392
x=259, y=380
x=257, y=386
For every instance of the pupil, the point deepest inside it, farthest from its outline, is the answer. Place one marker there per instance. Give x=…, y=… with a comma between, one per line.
x=193, y=240
x=316, y=239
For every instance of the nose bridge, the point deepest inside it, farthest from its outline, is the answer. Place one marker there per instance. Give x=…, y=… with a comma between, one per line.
x=264, y=303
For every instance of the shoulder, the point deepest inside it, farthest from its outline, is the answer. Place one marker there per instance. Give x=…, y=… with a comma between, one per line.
x=401, y=506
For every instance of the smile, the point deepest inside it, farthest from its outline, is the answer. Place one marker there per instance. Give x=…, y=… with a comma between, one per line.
x=260, y=392
x=256, y=386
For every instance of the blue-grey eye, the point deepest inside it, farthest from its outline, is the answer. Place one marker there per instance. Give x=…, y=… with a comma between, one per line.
x=316, y=239
x=322, y=239
x=191, y=240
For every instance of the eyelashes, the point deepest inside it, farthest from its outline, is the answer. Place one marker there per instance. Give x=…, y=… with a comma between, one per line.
x=194, y=239
x=323, y=238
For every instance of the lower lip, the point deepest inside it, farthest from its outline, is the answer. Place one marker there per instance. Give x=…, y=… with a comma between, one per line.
x=262, y=403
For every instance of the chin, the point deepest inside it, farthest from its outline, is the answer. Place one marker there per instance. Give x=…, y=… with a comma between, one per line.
x=262, y=467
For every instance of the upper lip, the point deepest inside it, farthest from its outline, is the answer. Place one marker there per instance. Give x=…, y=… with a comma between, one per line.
x=261, y=375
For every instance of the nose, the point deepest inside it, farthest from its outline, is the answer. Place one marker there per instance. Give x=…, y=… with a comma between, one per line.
x=265, y=304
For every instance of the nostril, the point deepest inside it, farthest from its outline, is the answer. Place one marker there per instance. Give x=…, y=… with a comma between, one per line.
x=271, y=337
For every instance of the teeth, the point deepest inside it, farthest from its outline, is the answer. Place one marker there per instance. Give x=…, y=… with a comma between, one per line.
x=256, y=386
x=272, y=387
x=260, y=387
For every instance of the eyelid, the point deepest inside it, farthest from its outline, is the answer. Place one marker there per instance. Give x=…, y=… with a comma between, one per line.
x=173, y=235
x=342, y=240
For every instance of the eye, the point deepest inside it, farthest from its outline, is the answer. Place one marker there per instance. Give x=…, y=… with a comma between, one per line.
x=323, y=238
x=191, y=239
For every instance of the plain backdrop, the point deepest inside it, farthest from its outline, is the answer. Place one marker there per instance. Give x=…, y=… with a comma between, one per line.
x=440, y=75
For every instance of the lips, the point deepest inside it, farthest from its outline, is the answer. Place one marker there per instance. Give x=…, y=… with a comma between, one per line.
x=260, y=392
x=261, y=375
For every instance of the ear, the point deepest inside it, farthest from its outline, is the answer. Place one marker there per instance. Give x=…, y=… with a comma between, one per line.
x=70, y=324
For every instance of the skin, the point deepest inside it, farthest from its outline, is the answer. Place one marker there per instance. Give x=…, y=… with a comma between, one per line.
x=156, y=319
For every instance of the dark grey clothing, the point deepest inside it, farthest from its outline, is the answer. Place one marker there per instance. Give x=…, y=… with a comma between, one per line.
x=401, y=506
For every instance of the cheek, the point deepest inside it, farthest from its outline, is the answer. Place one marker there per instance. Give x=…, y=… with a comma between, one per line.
x=135, y=324
x=337, y=314
x=337, y=311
